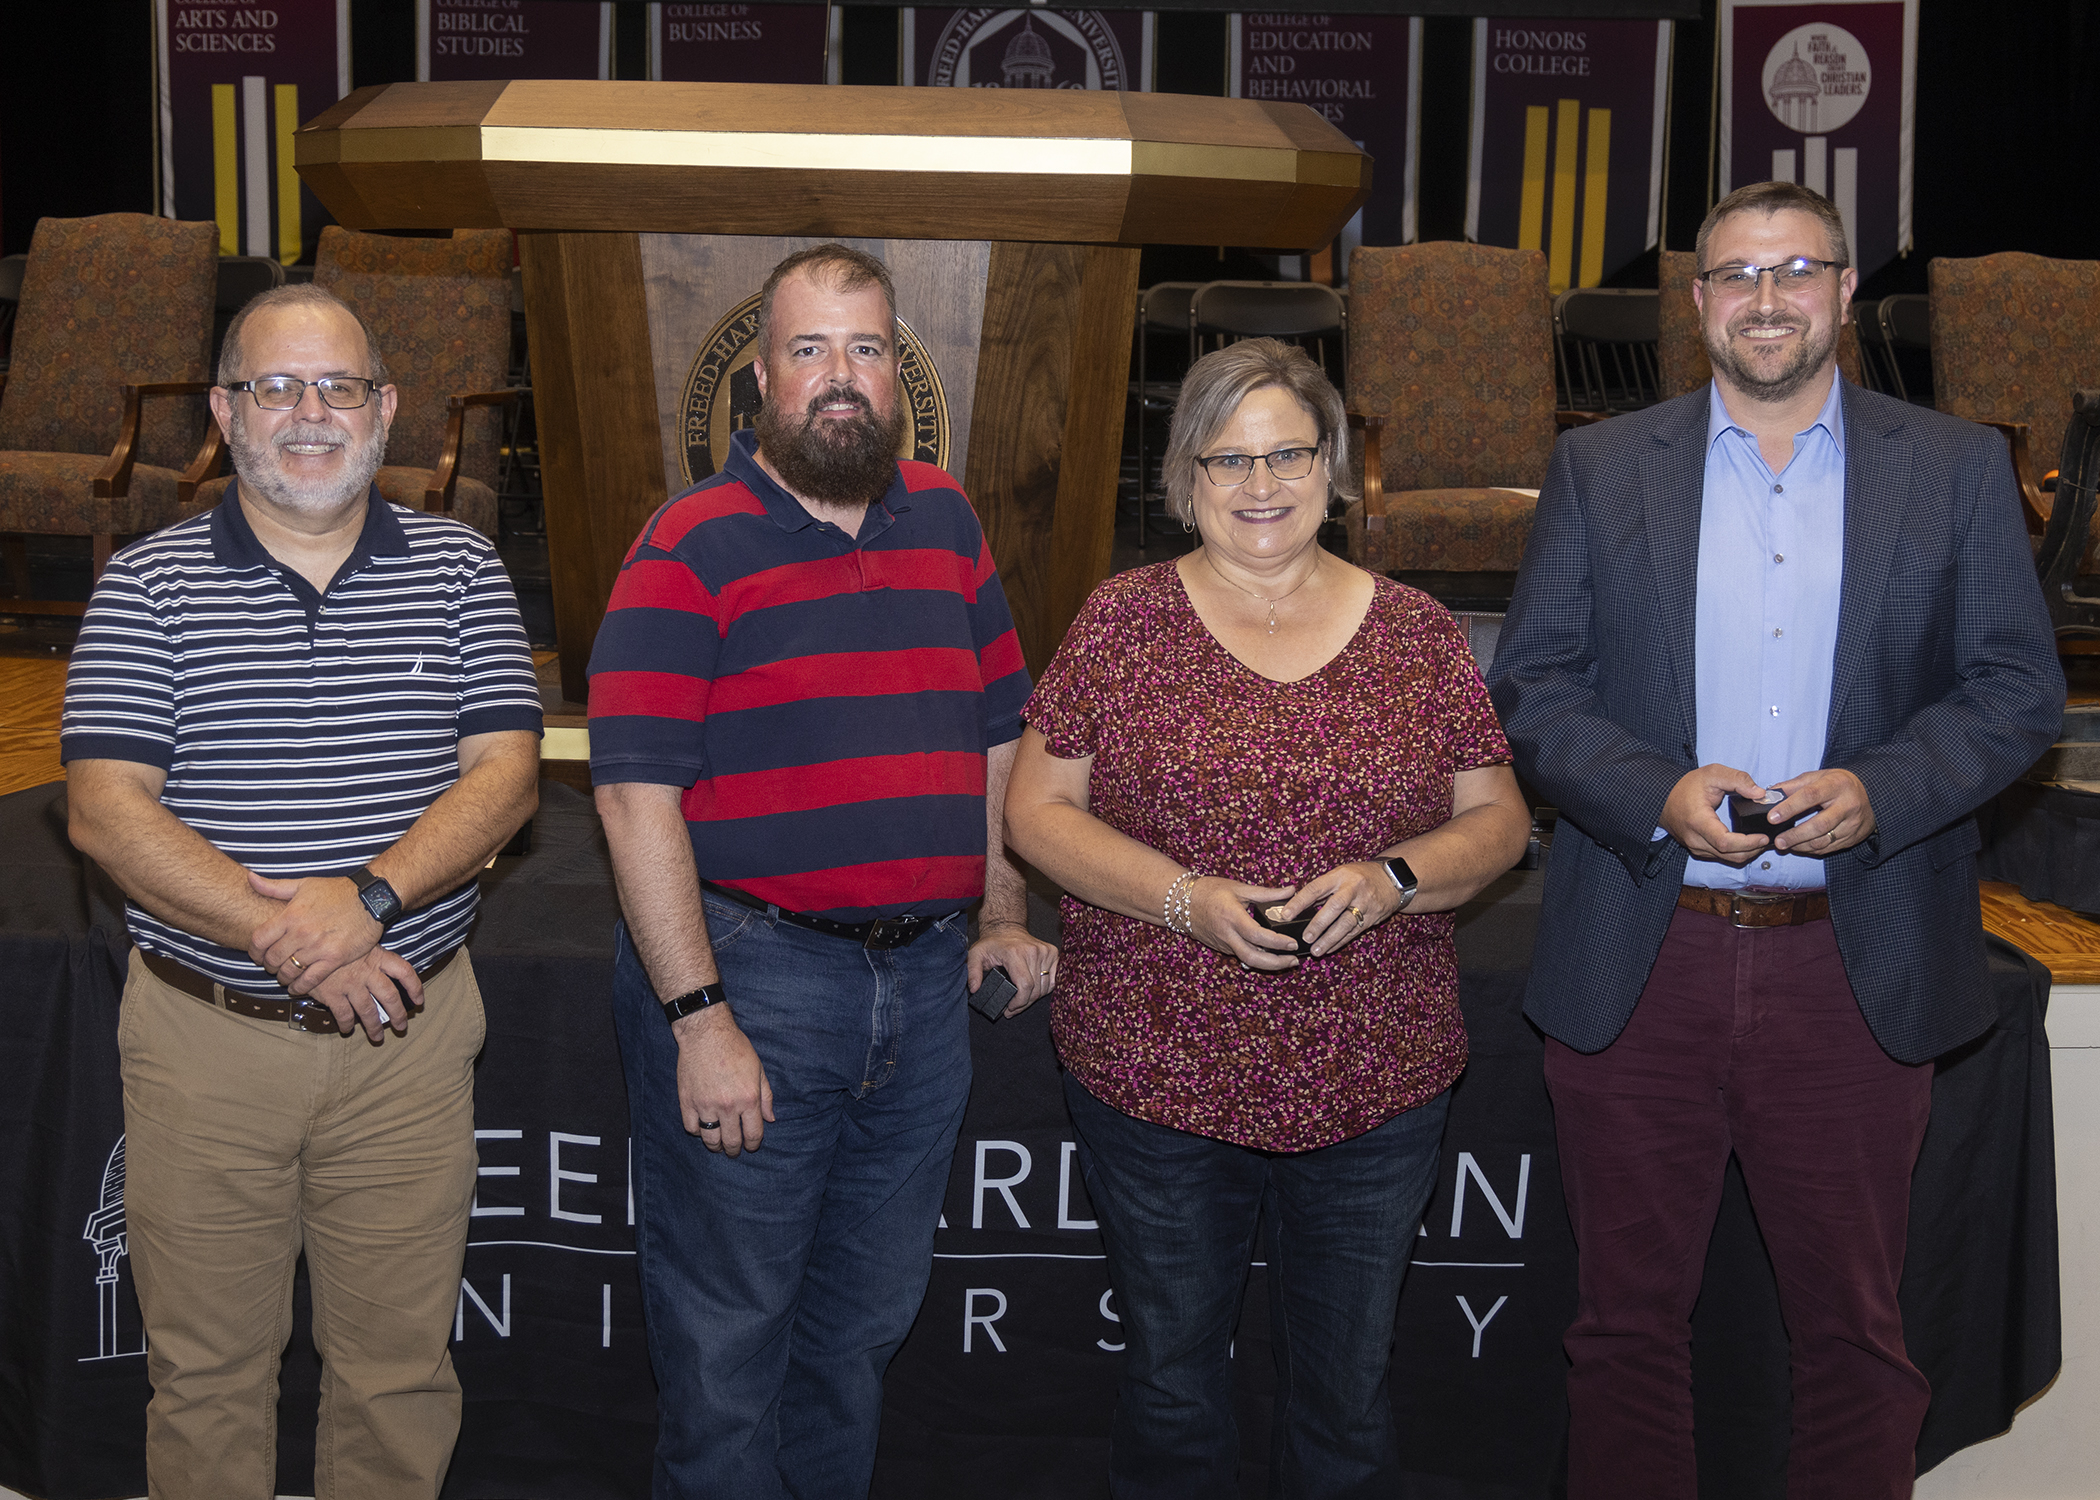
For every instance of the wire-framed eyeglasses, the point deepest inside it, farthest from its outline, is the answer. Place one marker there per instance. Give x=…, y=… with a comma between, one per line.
x=1229, y=470
x=284, y=392
x=1798, y=274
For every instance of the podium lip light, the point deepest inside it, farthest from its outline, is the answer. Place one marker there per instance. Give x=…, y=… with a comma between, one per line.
x=797, y=151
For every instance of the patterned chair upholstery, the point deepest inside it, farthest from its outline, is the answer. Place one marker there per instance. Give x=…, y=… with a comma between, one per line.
x=1451, y=365
x=1680, y=353
x=114, y=323
x=439, y=310
x=2013, y=335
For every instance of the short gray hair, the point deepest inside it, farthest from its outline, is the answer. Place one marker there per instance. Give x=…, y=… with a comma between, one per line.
x=1212, y=392
x=1770, y=198
x=297, y=294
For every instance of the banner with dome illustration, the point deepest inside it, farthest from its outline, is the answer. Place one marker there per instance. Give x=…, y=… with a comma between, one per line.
x=1824, y=94
x=1028, y=48
x=754, y=43
x=1570, y=122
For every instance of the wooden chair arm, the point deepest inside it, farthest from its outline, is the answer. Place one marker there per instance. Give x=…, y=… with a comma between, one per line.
x=204, y=466
x=114, y=479
x=1374, y=472
x=2032, y=505
x=445, y=478
x=1563, y=420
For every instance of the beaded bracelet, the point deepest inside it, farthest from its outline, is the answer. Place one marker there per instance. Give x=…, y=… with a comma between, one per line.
x=1176, y=908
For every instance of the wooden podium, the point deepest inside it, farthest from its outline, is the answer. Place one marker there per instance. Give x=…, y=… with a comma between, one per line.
x=649, y=213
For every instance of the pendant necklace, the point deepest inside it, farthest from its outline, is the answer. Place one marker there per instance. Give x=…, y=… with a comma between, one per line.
x=1272, y=603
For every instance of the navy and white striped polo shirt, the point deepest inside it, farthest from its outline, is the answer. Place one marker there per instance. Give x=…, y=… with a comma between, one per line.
x=301, y=734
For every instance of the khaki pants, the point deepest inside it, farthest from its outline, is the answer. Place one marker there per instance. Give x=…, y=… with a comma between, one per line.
x=246, y=1142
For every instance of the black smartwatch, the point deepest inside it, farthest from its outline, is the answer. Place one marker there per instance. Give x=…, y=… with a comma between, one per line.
x=377, y=895
x=1403, y=879
x=694, y=1001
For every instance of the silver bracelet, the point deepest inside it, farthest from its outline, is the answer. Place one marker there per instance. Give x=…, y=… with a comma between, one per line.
x=1175, y=910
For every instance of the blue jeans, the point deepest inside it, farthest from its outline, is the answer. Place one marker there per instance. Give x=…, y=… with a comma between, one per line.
x=1178, y=1213
x=777, y=1285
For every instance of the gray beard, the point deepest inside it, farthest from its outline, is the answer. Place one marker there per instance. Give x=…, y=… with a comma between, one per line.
x=847, y=463
x=254, y=460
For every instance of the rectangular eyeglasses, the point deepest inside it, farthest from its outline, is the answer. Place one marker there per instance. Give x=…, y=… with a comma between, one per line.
x=284, y=392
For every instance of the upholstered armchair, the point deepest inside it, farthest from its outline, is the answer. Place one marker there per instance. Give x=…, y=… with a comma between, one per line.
x=439, y=310
x=1680, y=350
x=1451, y=389
x=114, y=324
x=2013, y=336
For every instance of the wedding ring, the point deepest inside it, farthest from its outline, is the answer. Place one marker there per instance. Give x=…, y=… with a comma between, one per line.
x=294, y=961
x=1359, y=915
x=710, y=1124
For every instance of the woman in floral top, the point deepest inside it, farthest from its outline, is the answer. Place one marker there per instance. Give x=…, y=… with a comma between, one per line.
x=1259, y=726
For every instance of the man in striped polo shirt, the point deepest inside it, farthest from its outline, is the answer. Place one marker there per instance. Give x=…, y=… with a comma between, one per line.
x=805, y=697
x=295, y=729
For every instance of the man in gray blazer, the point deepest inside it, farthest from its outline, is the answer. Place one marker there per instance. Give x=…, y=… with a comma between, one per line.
x=1795, y=591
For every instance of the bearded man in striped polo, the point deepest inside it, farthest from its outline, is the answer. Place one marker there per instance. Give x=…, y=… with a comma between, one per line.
x=295, y=729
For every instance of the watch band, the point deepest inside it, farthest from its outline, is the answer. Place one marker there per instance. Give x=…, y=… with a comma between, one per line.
x=1403, y=880
x=379, y=898
x=694, y=1001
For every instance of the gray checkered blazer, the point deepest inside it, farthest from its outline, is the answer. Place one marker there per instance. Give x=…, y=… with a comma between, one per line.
x=1946, y=687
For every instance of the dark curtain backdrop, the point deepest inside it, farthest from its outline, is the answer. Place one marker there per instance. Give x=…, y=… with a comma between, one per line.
x=2006, y=98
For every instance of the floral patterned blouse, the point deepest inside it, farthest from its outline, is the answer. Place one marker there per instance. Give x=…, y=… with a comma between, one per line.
x=1270, y=783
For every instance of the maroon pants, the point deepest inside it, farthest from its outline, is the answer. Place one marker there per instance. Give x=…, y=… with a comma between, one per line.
x=1745, y=1040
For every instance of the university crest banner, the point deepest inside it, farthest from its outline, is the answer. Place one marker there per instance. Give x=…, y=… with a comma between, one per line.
x=234, y=81
x=762, y=43
x=1028, y=48
x=1567, y=143
x=482, y=39
x=1364, y=73
x=1824, y=94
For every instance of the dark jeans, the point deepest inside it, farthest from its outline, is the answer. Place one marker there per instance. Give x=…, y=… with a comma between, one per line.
x=1178, y=1212
x=777, y=1286
x=1747, y=1040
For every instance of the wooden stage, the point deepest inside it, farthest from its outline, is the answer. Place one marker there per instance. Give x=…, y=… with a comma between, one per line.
x=32, y=685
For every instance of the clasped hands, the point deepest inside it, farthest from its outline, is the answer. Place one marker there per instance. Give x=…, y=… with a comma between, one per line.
x=320, y=922
x=1347, y=901
x=1834, y=812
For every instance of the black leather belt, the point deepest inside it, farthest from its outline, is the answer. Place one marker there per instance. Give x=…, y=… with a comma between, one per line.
x=883, y=932
x=301, y=1014
x=1754, y=908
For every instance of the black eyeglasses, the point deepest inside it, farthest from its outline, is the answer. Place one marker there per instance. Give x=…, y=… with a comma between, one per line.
x=1229, y=470
x=1797, y=274
x=283, y=392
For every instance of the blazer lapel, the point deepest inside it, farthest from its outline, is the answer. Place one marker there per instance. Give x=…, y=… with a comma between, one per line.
x=1673, y=481
x=1877, y=477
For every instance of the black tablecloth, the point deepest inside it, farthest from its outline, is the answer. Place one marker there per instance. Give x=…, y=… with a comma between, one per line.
x=1006, y=1384
x=2046, y=840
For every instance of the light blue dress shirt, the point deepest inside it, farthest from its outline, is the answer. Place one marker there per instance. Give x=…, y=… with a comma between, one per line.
x=1771, y=562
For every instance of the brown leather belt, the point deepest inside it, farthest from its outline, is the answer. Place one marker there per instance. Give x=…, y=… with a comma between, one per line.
x=301, y=1014
x=1754, y=908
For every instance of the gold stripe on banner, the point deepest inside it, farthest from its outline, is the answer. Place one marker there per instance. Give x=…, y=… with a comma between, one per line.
x=225, y=169
x=1531, y=208
x=1596, y=177
x=290, y=232
x=1567, y=132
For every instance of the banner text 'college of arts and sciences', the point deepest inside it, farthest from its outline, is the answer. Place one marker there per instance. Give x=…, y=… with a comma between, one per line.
x=1567, y=141
x=1364, y=74
x=234, y=82
x=1824, y=95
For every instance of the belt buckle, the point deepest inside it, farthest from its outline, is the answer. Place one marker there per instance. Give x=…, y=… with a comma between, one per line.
x=890, y=932
x=304, y=1013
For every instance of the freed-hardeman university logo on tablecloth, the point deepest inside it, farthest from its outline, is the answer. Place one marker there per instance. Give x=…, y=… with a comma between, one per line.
x=721, y=395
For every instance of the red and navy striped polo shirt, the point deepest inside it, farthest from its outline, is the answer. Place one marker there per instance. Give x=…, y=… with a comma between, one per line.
x=826, y=701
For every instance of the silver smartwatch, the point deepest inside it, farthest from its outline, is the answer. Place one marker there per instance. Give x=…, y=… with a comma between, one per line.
x=1403, y=880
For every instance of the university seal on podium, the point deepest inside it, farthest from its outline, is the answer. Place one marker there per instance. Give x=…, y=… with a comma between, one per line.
x=721, y=395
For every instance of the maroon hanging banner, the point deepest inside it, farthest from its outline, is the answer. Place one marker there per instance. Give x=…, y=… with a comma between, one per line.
x=741, y=43
x=234, y=82
x=1823, y=94
x=1364, y=74
x=991, y=48
x=1567, y=143
x=479, y=39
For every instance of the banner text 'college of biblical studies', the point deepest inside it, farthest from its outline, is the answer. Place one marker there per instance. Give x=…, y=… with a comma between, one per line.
x=1567, y=141
x=1363, y=73
x=234, y=82
x=1825, y=95
x=458, y=40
